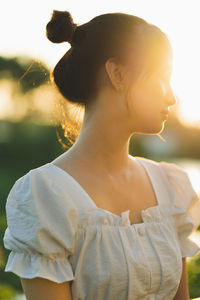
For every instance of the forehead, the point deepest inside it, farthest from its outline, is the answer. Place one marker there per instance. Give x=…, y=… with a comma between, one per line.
x=163, y=66
x=153, y=56
x=160, y=62
x=158, y=53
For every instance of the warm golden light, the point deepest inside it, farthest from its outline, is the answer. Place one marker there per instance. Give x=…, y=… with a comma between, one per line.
x=186, y=80
x=179, y=20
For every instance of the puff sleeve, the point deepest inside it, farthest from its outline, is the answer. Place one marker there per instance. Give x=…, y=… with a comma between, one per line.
x=41, y=226
x=186, y=207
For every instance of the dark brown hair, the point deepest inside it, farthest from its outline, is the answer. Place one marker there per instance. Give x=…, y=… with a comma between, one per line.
x=92, y=43
x=105, y=36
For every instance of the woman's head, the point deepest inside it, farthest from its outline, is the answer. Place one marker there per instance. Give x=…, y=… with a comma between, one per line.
x=115, y=55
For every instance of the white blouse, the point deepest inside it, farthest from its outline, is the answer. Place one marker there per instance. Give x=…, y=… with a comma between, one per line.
x=56, y=231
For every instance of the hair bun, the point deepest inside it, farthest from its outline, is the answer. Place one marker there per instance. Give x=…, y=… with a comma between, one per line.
x=61, y=27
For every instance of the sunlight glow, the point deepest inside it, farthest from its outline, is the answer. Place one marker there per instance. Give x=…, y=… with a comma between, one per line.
x=178, y=19
x=13, y=106
x=5, y=103
x=193, y=170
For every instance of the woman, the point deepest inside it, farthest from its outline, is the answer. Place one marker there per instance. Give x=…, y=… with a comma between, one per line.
x=98, y=223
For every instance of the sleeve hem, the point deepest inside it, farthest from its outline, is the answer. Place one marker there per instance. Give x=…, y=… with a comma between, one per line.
x=189, y=248
x=33, y=265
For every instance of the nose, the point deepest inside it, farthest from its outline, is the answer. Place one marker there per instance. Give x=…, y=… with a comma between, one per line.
x=172, y=98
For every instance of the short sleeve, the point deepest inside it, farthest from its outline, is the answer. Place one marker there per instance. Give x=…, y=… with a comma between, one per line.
x=41, y=227
x=186, y=207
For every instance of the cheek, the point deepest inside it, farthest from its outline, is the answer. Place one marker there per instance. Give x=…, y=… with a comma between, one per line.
x=146, y=99
x=155, y=91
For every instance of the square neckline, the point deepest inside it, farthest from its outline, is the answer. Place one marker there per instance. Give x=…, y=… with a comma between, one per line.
x=123, y=213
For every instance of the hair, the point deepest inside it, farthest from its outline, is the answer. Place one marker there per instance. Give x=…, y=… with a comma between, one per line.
x=92, y=43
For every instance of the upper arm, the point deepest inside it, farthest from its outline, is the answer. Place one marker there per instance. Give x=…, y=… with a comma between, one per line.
x=183, y=291
x=42, y=289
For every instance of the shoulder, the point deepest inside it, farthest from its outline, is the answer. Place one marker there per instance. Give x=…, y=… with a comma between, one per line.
x=185, y=197
x=45, y=178
x=38, y=193
x=33, y=181
x=174, y=170
x=147, y=160
x=36, y=174
x=166, y=166
x=176, y=174
x=179, y=180
x=176, y=178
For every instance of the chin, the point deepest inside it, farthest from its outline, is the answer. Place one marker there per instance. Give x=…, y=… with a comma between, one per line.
x=154, y=129
x=159, y=129
x=150, y=127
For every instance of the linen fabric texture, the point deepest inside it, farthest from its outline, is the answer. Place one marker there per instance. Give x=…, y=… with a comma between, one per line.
x=56, y=231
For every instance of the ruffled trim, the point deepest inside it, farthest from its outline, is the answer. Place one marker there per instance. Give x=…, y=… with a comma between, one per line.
x=34, y=265
x=189, y=248
x=186, y=224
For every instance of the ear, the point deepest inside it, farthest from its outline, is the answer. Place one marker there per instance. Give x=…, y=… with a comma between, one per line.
x=116, y=73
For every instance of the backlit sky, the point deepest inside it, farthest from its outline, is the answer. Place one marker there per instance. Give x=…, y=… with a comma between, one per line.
x=23, y=25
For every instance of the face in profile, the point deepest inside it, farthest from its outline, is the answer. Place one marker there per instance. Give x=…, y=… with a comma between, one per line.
x=148, y=96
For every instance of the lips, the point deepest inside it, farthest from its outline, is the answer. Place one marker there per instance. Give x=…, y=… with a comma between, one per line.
x=164, y=114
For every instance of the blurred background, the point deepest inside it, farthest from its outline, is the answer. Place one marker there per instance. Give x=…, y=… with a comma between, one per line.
x=32, y=131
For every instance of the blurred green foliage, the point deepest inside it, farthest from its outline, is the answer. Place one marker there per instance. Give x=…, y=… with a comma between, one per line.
x=193, y=267
x=23, y=146
x=30, y=73
x=7, y=292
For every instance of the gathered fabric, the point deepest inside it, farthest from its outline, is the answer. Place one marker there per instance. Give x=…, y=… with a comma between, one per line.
x=56, y=231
